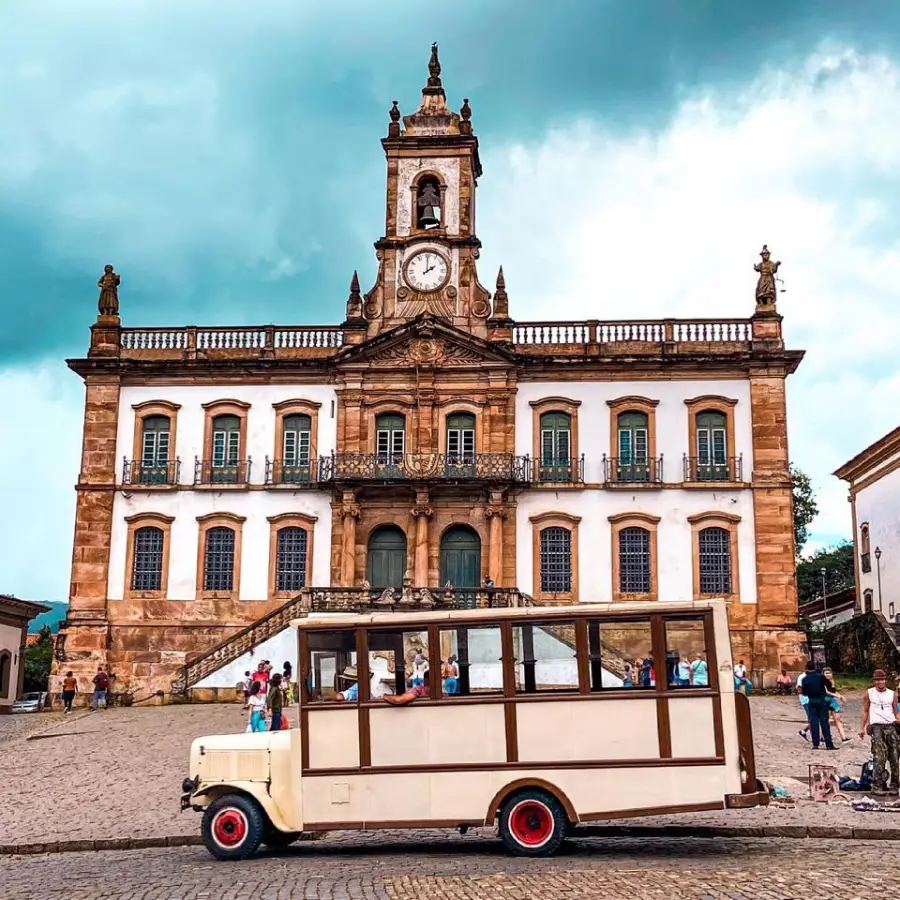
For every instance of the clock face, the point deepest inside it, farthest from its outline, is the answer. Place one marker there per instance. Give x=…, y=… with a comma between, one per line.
x=427, y=271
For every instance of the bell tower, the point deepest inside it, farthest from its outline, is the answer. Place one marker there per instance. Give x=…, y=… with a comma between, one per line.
x=427, y=257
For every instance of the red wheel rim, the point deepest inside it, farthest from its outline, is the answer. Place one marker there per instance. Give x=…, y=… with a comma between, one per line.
x=531, y=823
x=229, y=827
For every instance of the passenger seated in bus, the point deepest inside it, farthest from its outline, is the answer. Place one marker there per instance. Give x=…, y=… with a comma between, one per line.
x=351, y=693
x=420, y=690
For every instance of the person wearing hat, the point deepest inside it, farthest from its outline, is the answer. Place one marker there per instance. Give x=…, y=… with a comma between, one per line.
x=351, y=693
x=879, y=718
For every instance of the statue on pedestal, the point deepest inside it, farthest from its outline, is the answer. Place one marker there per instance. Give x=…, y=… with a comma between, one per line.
x=109, y=292
x=766, y=291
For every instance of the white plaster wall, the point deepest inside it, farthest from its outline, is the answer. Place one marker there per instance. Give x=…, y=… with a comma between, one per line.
x=408, y=170
x=186, y=506
x=260, y=419
x=11, y=640
x=672, y=436
x=674, y=546
x=879, y=505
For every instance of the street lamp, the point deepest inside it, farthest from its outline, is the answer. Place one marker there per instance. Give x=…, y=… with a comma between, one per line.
x=878, y=570
x=823, y=570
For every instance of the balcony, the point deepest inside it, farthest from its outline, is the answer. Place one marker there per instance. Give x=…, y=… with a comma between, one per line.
x=700, y=470
x=353, y=600
x=559, y=471
x=136, y=472
x=215, y=472
x=291, y=472
x=439, y=467
x=622, y=470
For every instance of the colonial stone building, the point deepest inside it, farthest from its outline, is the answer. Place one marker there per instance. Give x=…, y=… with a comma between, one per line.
x=227, y=469
x=15, y=614
x=873, y=476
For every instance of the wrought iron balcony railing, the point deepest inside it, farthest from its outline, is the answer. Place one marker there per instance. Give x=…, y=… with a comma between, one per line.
x=214, y=471
x=698, y=470
x=558, y=471
x=490, y=467
x=282, y=471
x=161, y=472
x=338, y=599
x=632, y=470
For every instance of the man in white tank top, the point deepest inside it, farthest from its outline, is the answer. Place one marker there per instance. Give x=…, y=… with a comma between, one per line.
x=880, y=719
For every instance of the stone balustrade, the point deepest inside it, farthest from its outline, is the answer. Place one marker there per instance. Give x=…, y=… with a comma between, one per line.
x=530, y=338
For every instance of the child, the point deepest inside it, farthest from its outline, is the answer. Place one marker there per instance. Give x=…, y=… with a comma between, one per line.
x=256, y=703
x=276, y=701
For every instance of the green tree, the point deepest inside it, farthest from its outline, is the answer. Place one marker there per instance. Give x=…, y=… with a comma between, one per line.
x=38, y=659
x=805, y=507
x=838, y=565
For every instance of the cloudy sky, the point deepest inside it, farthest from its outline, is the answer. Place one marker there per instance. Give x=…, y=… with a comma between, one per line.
x=225, y=157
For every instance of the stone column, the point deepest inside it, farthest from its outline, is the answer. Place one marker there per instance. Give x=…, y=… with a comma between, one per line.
x=421, y=512
x=495, y=513
x=349, y=517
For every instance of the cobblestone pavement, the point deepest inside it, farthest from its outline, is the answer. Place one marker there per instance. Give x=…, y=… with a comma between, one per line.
x=439, y=868
x=118, y=773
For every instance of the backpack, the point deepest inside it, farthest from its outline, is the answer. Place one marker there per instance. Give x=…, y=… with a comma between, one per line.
x=101, y=682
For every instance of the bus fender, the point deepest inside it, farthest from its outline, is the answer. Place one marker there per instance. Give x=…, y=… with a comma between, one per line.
x=521, y=784
x=255, y=789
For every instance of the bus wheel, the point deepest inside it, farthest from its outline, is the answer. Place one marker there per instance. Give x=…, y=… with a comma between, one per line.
x=233, y=827
x=532, y=823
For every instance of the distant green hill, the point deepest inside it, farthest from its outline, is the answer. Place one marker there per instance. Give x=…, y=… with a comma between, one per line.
x=52, y=618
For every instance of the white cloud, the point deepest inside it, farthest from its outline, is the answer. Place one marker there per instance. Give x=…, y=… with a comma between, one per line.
x=39, y=462
x=596, y=223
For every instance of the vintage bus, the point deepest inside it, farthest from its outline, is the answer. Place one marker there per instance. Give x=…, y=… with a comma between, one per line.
x=537, y=718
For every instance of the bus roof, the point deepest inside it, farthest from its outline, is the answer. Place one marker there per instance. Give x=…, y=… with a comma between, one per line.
x=404, y=617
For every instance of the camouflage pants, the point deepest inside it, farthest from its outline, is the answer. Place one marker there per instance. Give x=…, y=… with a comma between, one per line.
x=886, y=750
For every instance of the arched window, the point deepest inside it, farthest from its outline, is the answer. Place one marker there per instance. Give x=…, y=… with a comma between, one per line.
x=556, y=560
x=461, y=440
x=290, y=559
x=634, y=462
x=155, y=440
x=428, y=211
x=226, y=448
x=218, y=559
x=556, y=447
x=460, y=557
x=147, y=559
x=386, y=557
x=296, y=443
x=865, y=558
x=714, y=549
x=712, y=458
x=634, y=560
x=5, y=672
x=390, y=440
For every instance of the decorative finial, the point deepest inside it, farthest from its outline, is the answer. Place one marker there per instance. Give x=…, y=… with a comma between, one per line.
x=465, y=115
x=434, y=68
x=394, y=127
x=109, y=292
x=766, y=291
x=501, y=300
x=354, y=301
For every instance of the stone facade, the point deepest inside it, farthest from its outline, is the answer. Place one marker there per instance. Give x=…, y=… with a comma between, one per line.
x=424, y=346
x=15, y=615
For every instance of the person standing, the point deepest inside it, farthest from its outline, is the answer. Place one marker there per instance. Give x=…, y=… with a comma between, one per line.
x=101, y=686
x=70, y=689
x=287, y=671
x=256, y=703
x=699, y=671
x=683, y=672
x=879, y=718
x=816, y=688
x=276, y=701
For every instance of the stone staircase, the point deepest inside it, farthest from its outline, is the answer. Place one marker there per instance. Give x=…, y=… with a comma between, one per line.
x=340, y=600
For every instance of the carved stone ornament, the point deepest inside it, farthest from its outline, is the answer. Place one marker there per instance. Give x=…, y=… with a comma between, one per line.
x=350, y=510
x=109, y=282
x=498, y=511
x=427, y=352
x=766, y=291
x=424, y=510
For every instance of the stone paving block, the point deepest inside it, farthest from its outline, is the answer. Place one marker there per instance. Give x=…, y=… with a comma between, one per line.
x=75, y=846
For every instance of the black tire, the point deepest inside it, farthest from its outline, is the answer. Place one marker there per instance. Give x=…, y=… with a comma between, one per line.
x=533, y=823
x=278, y=840
x=233, y=827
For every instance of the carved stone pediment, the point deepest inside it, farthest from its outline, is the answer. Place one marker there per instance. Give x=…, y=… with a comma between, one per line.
x=426, y=343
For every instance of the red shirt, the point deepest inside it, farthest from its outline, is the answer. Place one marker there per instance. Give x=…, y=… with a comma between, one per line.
x=262, y=678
